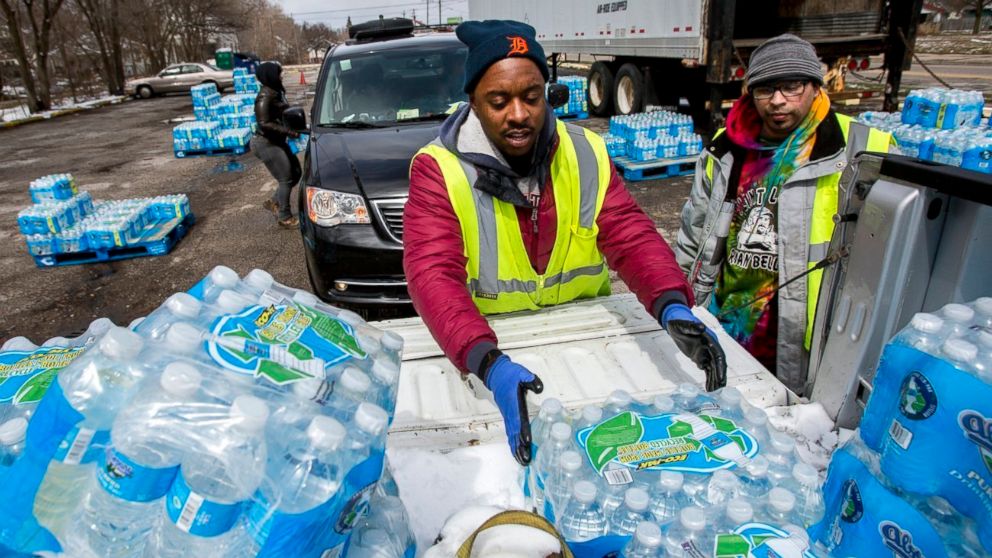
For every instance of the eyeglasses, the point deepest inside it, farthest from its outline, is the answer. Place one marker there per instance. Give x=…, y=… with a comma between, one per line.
x=789, y=90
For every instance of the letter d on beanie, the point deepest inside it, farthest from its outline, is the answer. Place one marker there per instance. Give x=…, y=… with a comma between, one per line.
x=493, y=40
x=783, y=57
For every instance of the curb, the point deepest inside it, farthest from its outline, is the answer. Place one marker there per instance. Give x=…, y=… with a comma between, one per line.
x=37, y=118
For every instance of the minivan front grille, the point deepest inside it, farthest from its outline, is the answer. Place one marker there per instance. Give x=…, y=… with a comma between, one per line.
x=390, y=215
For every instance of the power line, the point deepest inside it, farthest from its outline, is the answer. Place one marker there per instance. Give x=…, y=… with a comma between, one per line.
x=362, y=8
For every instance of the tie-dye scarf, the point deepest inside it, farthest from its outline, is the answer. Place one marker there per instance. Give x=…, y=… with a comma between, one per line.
x=751, y=267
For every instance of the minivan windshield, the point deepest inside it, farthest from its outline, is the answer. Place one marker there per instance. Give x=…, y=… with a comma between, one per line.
x=388, y=86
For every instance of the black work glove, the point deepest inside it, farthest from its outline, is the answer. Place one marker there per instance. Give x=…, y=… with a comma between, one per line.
x=697, y=342
x=509, y=383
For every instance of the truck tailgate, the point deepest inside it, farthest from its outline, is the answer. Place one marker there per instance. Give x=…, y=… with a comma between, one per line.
x=581, y=351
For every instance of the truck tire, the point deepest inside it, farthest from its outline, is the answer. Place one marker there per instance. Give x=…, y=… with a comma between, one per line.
x=601, y=84
x=628, y=96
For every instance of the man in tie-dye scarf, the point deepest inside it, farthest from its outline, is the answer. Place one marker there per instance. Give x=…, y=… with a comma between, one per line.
x=747, y=223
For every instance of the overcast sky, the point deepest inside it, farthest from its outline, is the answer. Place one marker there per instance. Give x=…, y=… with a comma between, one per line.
x=334, y=13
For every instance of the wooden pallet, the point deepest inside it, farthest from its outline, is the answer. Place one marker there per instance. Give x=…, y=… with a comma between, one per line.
x=573, y=116
x=635, y=171
x=220, y=151
x=159, y=239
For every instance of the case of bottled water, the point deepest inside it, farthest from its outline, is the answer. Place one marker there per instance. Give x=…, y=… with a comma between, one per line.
x=689, y=464
x=577, y=89
x=653, y=135
x=932, y=396
x=243, y=418
x=245, y=82
x=53, y=187
x=966, y=145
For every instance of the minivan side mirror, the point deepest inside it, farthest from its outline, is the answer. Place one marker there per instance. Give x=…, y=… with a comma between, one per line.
x=557, y=94
x=295, y=119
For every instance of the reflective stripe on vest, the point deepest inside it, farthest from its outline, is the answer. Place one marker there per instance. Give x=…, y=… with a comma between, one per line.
x=857, y=138
x=500, y=276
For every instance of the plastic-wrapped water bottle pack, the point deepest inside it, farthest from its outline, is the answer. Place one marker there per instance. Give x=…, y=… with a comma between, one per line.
x=966, y=145
x=243, y=418
x=53, y=187
x=919, y=482
x=652, y=135
x=945, y=109
x=245, y=82
x=691, y=474
x=221, y=122
x=577, y=89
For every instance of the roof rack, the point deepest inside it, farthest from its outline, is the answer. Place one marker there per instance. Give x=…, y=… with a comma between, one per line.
x=381, y=29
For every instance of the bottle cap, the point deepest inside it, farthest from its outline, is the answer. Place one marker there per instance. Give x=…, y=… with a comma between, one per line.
x=648, y=534
x=56, y=342
x=183, y=338
x=561, y=432
x=19, y=343
x=797, y=532
x=671, y=481
x=636, y=499
x=723, y=479
x=304, y=298
x=371, y=418
x=984, y=339
x=584, y=491
x=551, y=407
x=805, y=474
x=349, y=317
x=354, y=380
x=756, y=416
x=385, y=371
x=223, y=276
x=232, y=302
x=121, y=343
x=367, y=342
x=757, y=467
x=180, y=380
x=325, y=433
x=984, y=305
x=13, y=431
x=184, y=305
x=664, y=403
x=250, y=411
x=782, y=442
x=693, y=518
x=592, y=414
x=570, y=461
x=739, y=511
x=730, y=397
x=392, y=341
x=259, y=280
x=927, y=323
x=310, y=388
x=960, y=350
x=781, y=500
x=619, y=398
x=688, y=391
x=959, y=313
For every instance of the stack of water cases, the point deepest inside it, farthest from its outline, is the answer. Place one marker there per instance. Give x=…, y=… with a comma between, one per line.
x=692, y=474
x=940, y=125
x=222, y=124
x=243, y=418
x=917, y=481
x=652, y=135
x=245, y=82
x=577, y=104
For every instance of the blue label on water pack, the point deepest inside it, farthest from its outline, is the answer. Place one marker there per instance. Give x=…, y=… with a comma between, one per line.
x=863, y=518
x=196, y=515
x=82, y=445
x=26, y=375
x=918, y=400
x=130, y=481
x=283, y=343
x=695, y=443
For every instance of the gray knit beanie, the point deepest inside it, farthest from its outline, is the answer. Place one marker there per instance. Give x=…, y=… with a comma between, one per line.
x=783, y=57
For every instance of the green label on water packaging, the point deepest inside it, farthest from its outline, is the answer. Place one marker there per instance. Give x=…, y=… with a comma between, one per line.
x=26, y=375
x=283, y=343
x=759, y=540
x=678, y=442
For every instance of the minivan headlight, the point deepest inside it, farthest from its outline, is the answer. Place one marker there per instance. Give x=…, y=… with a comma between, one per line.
x=328, y=208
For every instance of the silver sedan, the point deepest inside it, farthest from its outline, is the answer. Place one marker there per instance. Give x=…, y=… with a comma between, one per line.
x=178, y=78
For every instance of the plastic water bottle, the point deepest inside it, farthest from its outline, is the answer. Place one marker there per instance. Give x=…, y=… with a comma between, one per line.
x=663, y=404
x=590, y=416
x=121, y=510
x=385, y=376
x=582, y=519
x=687, y=398
x=18, y=343
x=180, y=307
x=559, y=441
x=551, y=411
x=957, y=319
x=12, y=435
x=756, y=424
x=754, y=478
x=219, y=279
x=780, y=506
x=730, y=404
x=805, y=485
x=306, y=475
x=958, y=534
x=205, y=505
x=923, y=333
x=371, y=421
x=737, y=512
x=687, y=537
x=388, y=514
x=781, y=456
x=983, y=311
x=256, y=282
x=722, y=487
x=350, y=390
x=960, y=354
x=667, y=497
x=392, y=346
x=633, y=511
x=371, y=543
x=95, y=385
x=558, y=488
x=646, y=542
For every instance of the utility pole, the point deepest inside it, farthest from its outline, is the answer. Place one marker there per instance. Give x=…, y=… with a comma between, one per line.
x=439, y=22
x=427, y=19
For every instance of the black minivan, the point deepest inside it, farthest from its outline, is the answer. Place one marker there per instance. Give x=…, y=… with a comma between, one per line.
x=381, y=96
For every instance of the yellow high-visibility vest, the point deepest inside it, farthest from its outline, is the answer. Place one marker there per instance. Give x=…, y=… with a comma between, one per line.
x=500, y=276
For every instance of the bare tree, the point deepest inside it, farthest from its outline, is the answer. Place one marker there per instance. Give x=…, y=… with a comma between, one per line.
x=104, y=20
x=39, y=16
x=979, y=12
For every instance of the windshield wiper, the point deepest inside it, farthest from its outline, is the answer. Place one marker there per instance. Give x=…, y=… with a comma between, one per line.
x=439, y=116
x=353, y=124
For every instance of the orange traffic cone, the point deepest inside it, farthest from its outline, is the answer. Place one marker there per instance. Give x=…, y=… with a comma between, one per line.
x=303, y=79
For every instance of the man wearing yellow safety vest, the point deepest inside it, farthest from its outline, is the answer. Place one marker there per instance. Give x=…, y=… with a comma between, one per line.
x=510, y=210
x=762, y=206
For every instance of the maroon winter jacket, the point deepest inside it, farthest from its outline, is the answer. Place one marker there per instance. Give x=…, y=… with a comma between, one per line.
x=434, y=260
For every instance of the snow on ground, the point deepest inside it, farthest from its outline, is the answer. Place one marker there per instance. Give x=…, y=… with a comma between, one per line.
x=816, y=436
x=21, y=112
